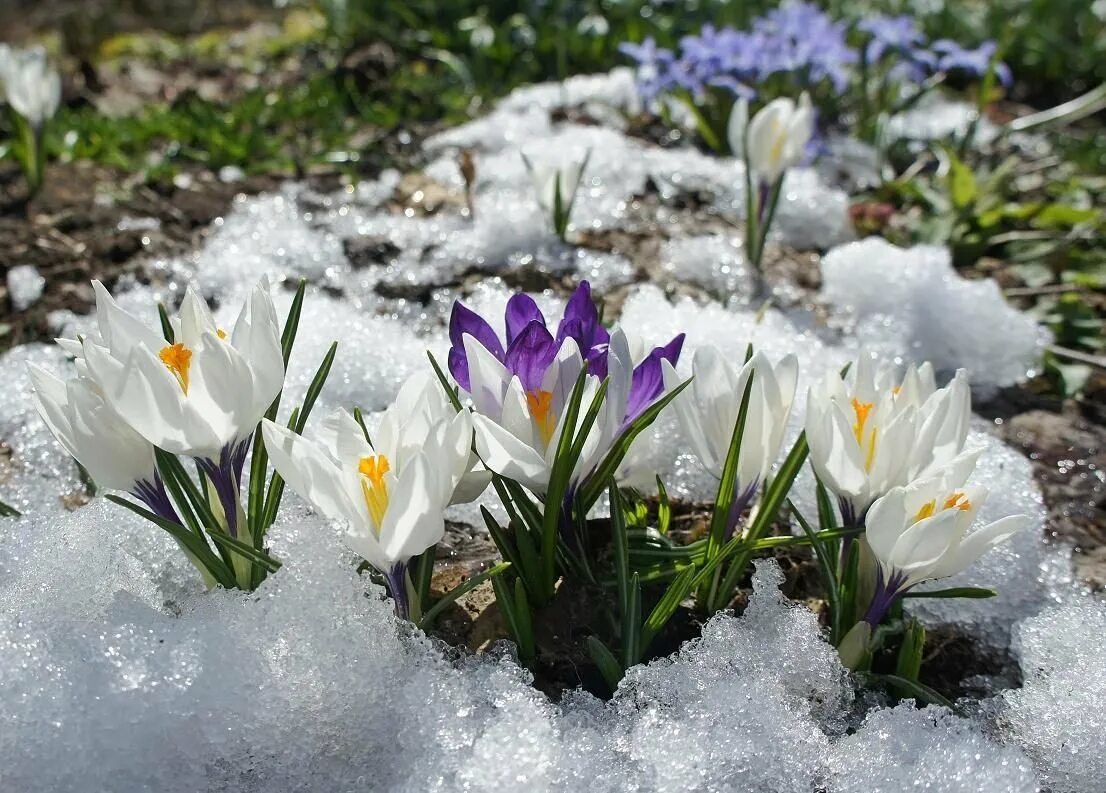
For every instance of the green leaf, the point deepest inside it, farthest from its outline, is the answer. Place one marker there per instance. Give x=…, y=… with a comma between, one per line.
x=166, y=325
x=826, y=563
x=728, y=483
x=631, y=624
x=954, y=592
x=962, y=183
x=563, y=463
x=664, y=509
x=245, y=550
x=7, y=511
x=913, y=689
x=359, y=417
x=597, y=482
x=292, y=322
x=909, y=663
x=450, y=391
x=621, y=556
x=604, y=659
x=199, y=550
x=677, y=592
x=460, y=591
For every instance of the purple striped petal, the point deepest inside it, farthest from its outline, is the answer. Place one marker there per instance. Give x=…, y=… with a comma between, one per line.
x=648, y=381
x=530, y=354
x=521, y=311
x=464, y=321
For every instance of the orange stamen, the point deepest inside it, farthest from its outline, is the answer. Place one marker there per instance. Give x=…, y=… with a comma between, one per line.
x=177, y=358
x=540, y=404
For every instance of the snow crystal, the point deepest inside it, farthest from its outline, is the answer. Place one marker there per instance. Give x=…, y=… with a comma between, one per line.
x=1059, y=713
x=930, y=749
x=25, y=285
x=910, y=302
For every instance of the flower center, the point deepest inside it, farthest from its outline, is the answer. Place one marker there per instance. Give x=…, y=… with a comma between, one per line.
x=540, y=404
x=374, y=488
x=862, y=411
x=222, y=334
x=956, y=501
x=177, y=358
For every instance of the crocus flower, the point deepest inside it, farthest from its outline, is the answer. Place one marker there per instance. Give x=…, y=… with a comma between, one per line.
x=708, y=412
x=921, y=532
x=871, y=432
x=899, y=34
x=415, y=421
x=33, y=89
x=777, y=136
x=952, y=57
x=555, y=189
x=201, y=395
x=389, y=494
x=530, y=348
x=115, y=456
x=519, y=419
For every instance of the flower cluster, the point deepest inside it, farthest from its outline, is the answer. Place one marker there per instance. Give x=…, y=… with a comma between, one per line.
x=796, y=47
x=548, y=415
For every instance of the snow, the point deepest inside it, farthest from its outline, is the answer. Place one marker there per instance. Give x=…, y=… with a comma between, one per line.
x=25, y=285
x=117, y=672
x=911, y=303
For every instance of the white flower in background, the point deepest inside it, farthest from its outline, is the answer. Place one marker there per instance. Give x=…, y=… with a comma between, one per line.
x=115, y=456
x=518, y=430
x=708, y=412
x=200, y=396
x=871, y=432
x=777, y=135
x=735, y=127
x=32, y=87
x=921, y=532
x=389, y=494
x=555, y=189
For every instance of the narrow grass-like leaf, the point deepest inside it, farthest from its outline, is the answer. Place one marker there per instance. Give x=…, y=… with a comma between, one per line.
x=8, y=511
x=676, y=593
x=460, y=591
x=727, y=485
x=502, y=542
x=664, y=508
x=823, y=555
x=199, y=550
x=166, y=325
x=621, y=556
x=359, y=417
x=909, y=662
x=245, y=550
x=631, y=637
x=316, y=387
x=563, y=463
x=597, y=482
x=450, y=390
x=914, y=689
x=606, y=662
x=973, y=592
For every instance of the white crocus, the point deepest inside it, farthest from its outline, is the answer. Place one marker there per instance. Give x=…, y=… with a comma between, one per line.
x=708, y=412
x=736, y=126
x=201, y=395
x=390, y=494
x=555, y=189
x=518, y=431
x=415, y=421
x=32, y=87
x=871, y=432
x=115, y=456
x=922, y=531
x=777, y=135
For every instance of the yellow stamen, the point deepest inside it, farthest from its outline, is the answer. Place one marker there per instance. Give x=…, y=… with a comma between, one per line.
x=926, y=511
x=177, y=358
x=540, y=404
x=955, y=501
x=222, y=334
x=863, y=410
x=374, y=488
x=896, y=390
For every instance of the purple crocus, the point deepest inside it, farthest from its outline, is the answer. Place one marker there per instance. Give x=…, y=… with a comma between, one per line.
x=954, y=58
x=897, y=34
x=531, y=348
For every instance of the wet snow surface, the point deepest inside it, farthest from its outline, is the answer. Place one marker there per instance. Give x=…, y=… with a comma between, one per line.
x=118, y=673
